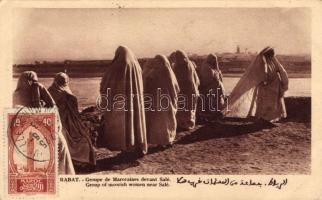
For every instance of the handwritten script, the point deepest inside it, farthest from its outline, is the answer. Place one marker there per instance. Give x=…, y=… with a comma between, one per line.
x=272, y=182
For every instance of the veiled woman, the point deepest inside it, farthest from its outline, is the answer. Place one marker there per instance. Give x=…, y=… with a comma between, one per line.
x=76, y=134
x=121, y=92
x=187, y=99
x=161, y=86
x=260, y=91
x=31, y=93
x=211, y=87
x=172, y=59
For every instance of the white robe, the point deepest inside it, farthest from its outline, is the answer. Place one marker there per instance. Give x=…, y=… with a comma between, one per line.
x=65, y=164
x=25, y=95
x=76, y=135
x=211, y=81
x=259, y=92
x=160, y=86
x=124, y=117
x=188, y=82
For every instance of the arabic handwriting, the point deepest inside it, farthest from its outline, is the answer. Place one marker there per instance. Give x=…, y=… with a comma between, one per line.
x=232, y=182
x=277, y=184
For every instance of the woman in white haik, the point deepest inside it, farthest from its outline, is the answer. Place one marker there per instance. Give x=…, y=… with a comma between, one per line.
x=124, y=121
x=260, y=91
x=172, y=59
x=76, y=134
x=161, y=87
x=188, y=81
x=32, y=94
x=212, y=87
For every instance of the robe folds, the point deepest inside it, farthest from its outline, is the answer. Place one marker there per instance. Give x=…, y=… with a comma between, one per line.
x=76, y=134
x=65, y=163
x=188, y=82
x=122, y=100
x=172, y=59
x=260, y=91
x=211, y=85
x=32, y=94
x=161, y=93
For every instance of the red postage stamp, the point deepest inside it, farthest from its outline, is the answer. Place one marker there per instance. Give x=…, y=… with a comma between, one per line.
x=31, y=151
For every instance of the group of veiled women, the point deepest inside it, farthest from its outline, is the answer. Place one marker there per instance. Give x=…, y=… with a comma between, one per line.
x=128, y=126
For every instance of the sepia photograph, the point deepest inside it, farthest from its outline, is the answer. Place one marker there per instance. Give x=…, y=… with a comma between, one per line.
x=208, y=91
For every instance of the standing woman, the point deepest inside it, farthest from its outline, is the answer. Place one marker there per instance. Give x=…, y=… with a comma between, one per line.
x=161, y=85
x=172, y=59
x=260, y=91
x=77, y=136
x=31, y=93
x=121, y=92
x=211, y=86
x=188, y=82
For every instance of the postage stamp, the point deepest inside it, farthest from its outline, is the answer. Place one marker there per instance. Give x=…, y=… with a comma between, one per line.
x=31, y=151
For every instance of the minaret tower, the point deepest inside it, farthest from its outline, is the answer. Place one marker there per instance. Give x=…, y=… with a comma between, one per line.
x=30, y=153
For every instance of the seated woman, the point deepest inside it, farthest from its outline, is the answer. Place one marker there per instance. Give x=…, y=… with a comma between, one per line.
x=260, y=91
x=160, y=84
x=211, y=88
x=77, y=136
x=31, y=93
x=188, y=82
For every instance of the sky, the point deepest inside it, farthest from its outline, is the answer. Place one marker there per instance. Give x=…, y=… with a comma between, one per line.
x=94, y=34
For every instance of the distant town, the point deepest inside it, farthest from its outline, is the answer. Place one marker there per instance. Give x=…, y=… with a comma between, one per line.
x=231, y=64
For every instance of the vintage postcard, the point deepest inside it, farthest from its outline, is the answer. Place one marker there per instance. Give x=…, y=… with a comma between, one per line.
x=161, y=99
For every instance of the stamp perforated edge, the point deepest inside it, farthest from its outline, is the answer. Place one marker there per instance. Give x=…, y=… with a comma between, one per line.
x=5, y=143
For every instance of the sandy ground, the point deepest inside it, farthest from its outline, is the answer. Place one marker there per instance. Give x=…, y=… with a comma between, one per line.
x=227, y=146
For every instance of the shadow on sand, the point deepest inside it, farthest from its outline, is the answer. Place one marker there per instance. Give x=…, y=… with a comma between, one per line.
x=119, y=162
x=229, y=127
x=298, y=110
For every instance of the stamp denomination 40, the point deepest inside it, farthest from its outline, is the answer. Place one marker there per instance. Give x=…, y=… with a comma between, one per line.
x=31, y=153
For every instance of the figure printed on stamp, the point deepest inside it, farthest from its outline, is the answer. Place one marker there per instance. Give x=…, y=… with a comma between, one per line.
x=31, y=152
